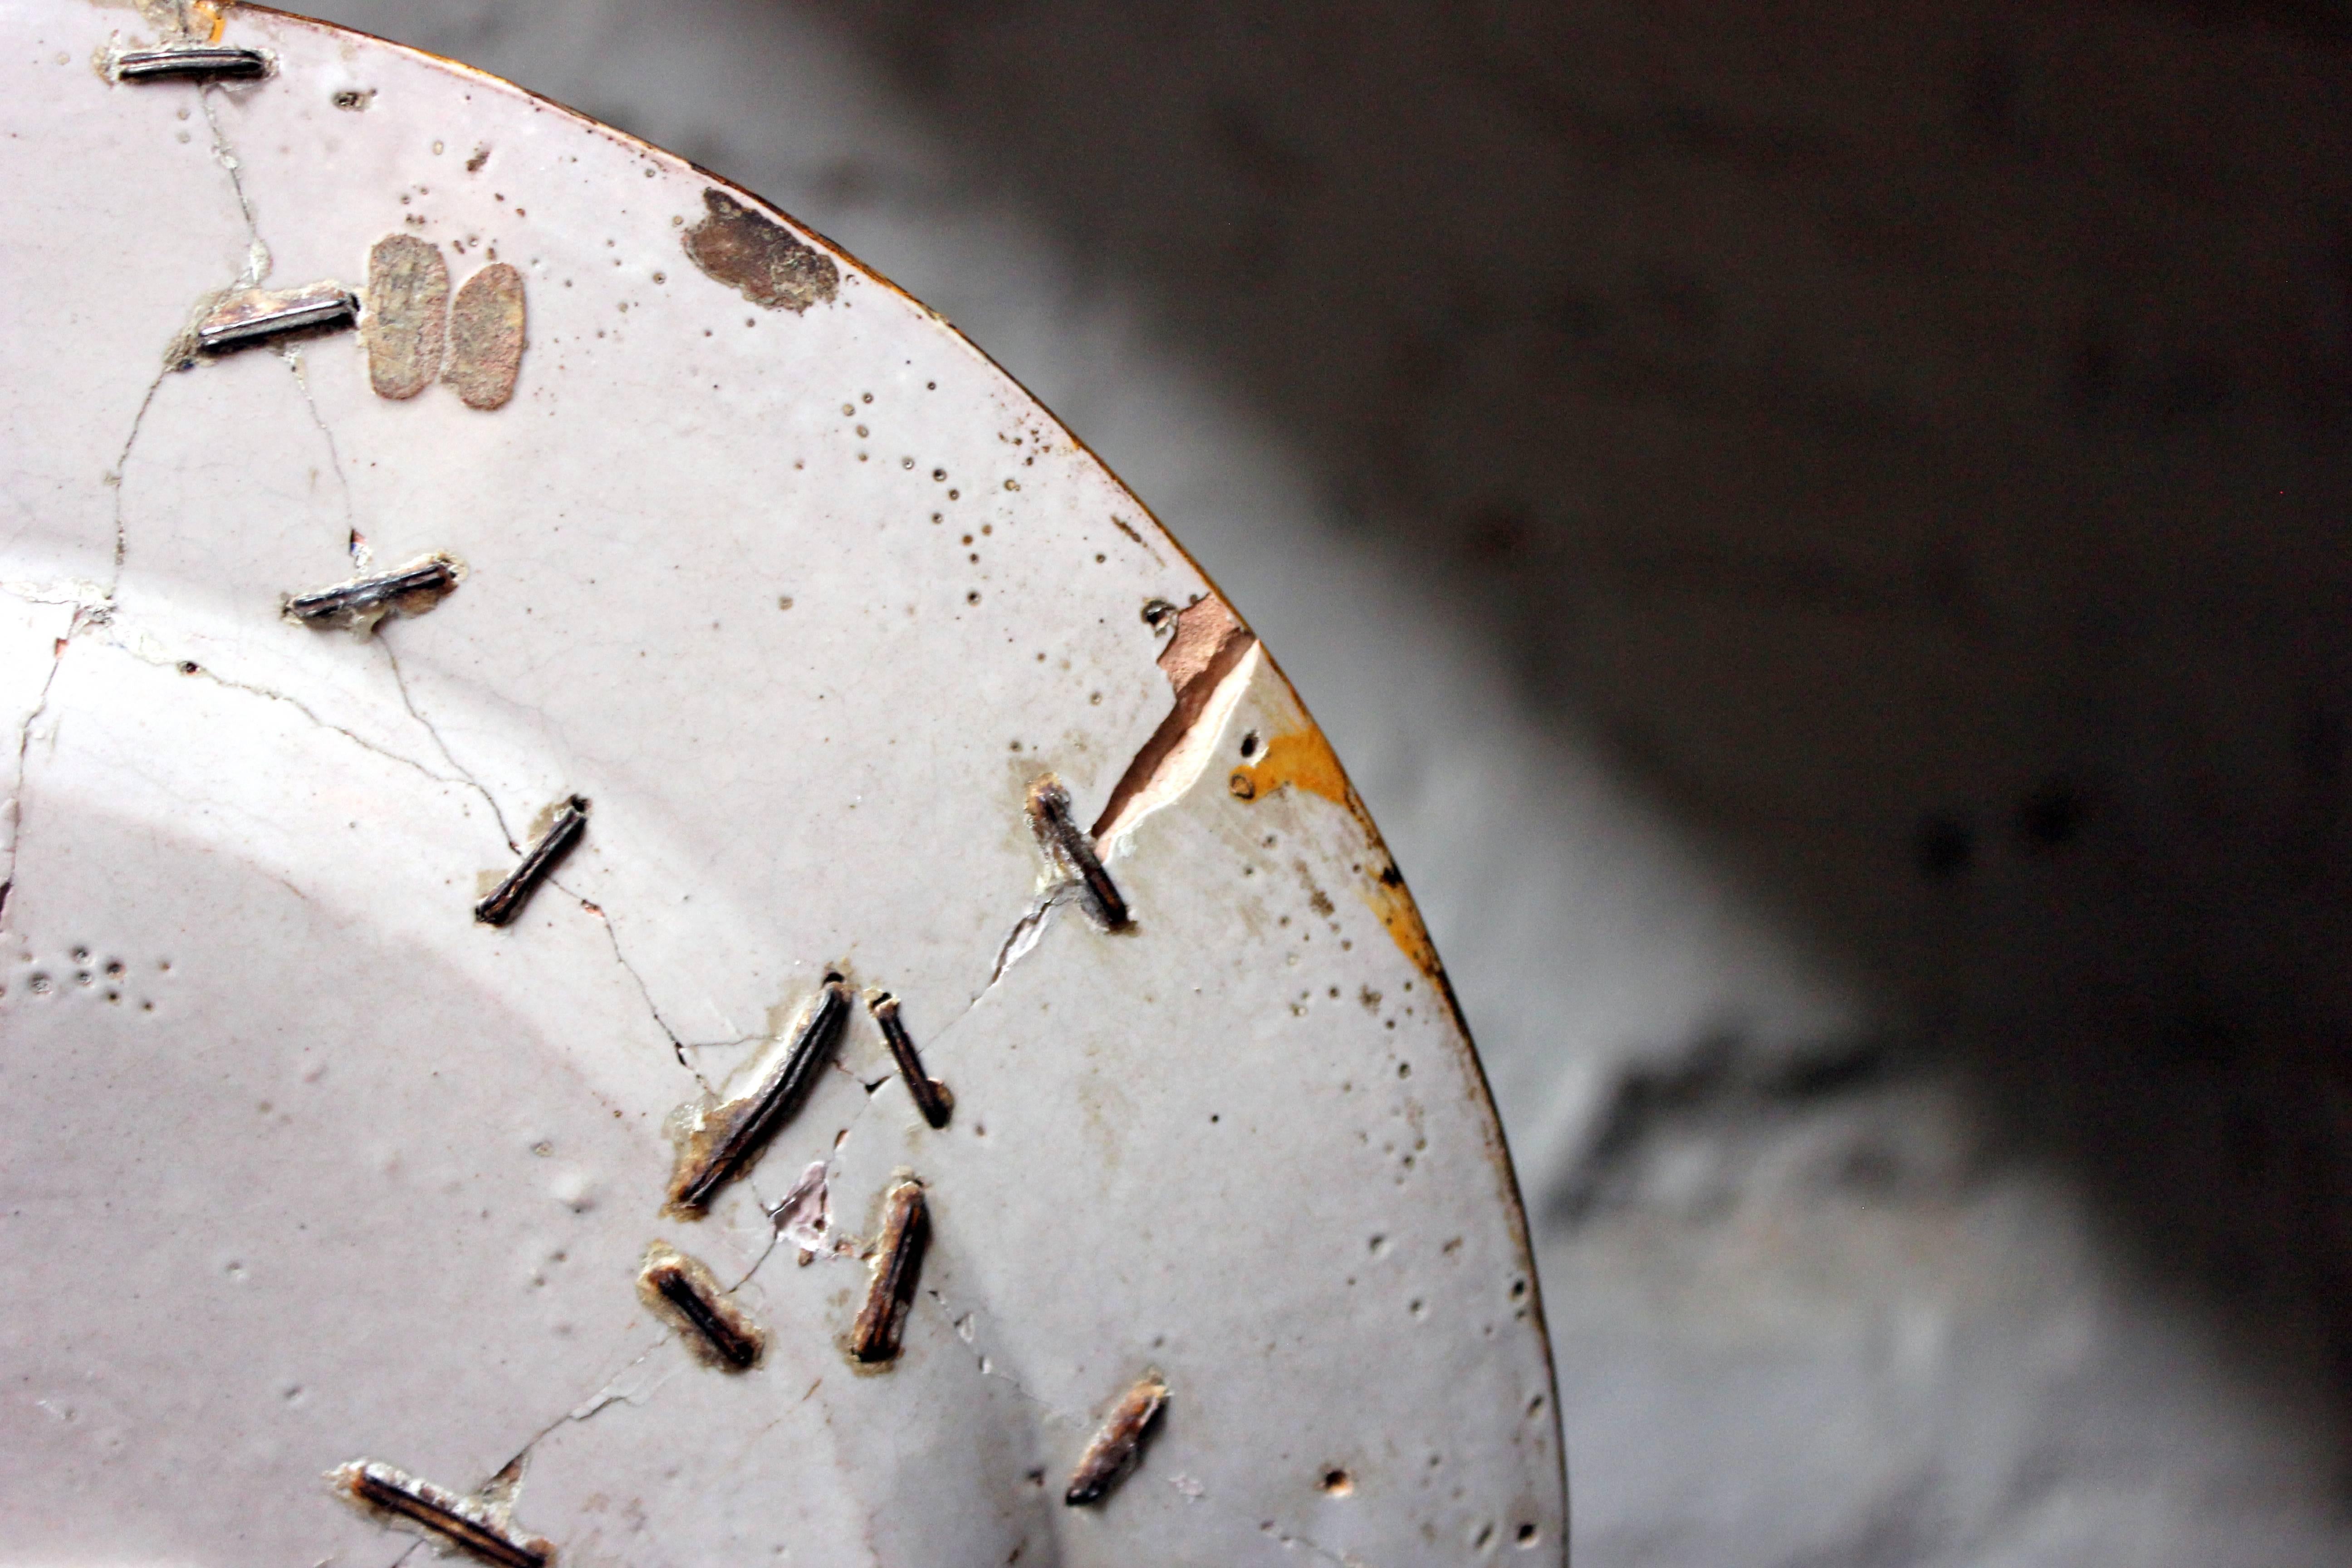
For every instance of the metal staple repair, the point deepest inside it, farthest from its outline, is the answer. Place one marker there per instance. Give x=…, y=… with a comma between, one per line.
x=930, y=1096
x=747, y=1124
x=906, y=1225
x=257, y=315
x=682, y=1290
x=1067, y=843
x=418, y=584
x=464, y=1523
x=539, y=862
x=175, y=60
x=1111, y=1452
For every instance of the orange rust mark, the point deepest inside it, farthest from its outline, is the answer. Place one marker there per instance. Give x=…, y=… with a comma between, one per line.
x=1303, y=759
x=1400, y=918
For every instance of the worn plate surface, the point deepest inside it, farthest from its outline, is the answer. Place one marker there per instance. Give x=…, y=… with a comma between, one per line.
x=307, y=1165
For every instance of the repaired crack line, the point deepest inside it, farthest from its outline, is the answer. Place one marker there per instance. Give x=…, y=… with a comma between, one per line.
x=207, y=672
x=677, y=1046
x=982, y=1365
x=120, y=477
x=1303, y=1544
x=257, y=258
x=293, y=355
x=612, y=934
x=604, y=1396
x=401, y=682
x=24, y=752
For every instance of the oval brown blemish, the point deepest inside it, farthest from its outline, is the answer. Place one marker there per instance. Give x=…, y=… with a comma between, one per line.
x=486, y=337
x=407, y=319
x=759, y=258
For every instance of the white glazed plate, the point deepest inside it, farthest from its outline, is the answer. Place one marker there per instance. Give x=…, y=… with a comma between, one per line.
x=711, y=529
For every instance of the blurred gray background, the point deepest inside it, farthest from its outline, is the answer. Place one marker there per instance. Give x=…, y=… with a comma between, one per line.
x=1818, y=531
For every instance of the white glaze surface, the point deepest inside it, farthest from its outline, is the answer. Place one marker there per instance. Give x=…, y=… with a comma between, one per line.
x=328, y=1171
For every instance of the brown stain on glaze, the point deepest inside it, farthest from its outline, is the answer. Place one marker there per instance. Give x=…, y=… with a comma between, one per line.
x=407, y=322
x=486, y=337
x=759, y=257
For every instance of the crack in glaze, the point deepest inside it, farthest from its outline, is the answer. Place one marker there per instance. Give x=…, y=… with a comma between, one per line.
x=24, y=750
x=207, y=673
x=401, y=682
x=1289, y=1542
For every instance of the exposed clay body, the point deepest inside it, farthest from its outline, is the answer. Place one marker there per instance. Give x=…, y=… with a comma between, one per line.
x=1203, y=662
x=757, y=257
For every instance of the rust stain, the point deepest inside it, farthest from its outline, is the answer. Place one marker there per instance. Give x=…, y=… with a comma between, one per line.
x=759, y=257
x=486, y=337
x=1302, y=759
x=407, y=319
x=1400, y=918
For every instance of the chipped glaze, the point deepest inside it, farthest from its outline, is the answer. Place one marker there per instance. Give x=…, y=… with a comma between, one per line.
x=808, y=598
